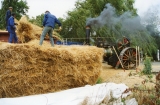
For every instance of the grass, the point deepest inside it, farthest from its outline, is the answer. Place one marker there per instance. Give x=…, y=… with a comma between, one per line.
x=99, y=80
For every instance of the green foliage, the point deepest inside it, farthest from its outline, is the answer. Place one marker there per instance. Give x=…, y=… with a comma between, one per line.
x=158, y=102
x=147, y=66
x=150, y=76
x=123, y=100
x=156, y=35
x=151, y=20
x=146, y=95
x=38, y=20
x=20, y=7
x=99, y=80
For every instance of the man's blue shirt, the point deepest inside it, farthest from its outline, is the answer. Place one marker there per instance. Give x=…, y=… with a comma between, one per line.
x=8, y=15
x=10, y=26
x=50, y=20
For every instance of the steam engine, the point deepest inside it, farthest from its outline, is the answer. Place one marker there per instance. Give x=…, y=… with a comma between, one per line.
x=117, y=55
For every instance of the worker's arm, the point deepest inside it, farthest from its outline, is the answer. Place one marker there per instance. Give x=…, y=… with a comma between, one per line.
x=59, y=24
x=45, y=19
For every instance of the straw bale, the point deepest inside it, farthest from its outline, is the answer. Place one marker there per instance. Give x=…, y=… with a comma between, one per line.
x=38, y=31
x=28, y=69
x=27, y=31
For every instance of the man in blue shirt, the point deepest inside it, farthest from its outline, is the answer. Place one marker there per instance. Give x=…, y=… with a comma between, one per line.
x=49, y=22
x=11, y=29
x=8, y=15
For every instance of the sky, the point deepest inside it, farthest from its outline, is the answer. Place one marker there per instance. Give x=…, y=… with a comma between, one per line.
x=144, y=5
x=56, y=7
x=60, y=7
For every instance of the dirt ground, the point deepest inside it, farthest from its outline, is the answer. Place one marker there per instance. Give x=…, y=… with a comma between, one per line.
x=132, y=78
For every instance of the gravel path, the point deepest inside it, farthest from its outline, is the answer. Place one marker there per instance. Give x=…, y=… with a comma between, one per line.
x=155, y=66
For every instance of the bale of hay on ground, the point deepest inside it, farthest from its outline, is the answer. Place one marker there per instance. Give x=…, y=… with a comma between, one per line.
x=28, y=69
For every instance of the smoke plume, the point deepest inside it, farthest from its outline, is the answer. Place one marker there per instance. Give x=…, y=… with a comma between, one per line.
x=123, y=25
x=110, y=19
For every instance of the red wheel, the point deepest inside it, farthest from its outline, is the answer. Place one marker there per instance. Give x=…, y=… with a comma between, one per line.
x=128, y=58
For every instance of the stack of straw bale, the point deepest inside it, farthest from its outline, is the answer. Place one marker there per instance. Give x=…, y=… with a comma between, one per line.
x=27, y=31
x=28, y=69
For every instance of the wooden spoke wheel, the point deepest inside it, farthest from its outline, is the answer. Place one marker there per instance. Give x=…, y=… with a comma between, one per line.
x=128, y=58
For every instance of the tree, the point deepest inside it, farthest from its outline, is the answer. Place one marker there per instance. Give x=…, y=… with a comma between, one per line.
x=151, y=21
x=20, y=7
x=75, y=23
x=38, y=20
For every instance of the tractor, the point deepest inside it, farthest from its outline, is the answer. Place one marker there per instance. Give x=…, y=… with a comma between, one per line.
x=117, y=55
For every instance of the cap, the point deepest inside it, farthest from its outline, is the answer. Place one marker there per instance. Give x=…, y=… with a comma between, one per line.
x=10, y=8
x=13, y=14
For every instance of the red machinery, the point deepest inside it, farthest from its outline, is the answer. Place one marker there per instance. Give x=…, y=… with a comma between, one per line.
x=4, y=35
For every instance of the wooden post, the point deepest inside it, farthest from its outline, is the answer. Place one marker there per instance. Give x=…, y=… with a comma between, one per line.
x=136, y=57
x=139, y=56
x=118, y=57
